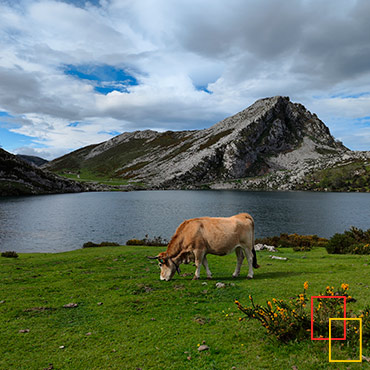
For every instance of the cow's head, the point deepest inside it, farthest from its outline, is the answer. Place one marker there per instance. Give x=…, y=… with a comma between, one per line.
x=167, y=265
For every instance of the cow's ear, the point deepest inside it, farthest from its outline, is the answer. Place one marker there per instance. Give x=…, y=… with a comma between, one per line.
x=152, y=258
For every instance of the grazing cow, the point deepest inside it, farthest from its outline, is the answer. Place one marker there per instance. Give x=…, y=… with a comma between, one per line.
x=197, y=237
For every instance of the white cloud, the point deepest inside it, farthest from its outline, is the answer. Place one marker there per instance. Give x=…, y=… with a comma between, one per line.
x=243, y=50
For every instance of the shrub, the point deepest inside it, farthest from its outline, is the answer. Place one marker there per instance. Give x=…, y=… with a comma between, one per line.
x=339, y=243
x=360, y=248
x=355, y=241
x=157, y=241
x=134, y=242
x=295, y=241
x=291, y=320
x=9, y=254
x=102, y=244
x=302, y=248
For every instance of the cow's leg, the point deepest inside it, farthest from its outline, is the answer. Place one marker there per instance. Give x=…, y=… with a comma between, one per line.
x=249, y=254
x=239, y=260
x=199, y=255
x=205, y=264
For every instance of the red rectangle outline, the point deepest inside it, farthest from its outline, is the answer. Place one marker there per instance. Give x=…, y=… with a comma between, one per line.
x=344, y=315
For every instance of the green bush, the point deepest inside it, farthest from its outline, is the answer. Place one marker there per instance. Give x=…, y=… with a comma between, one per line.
x=134, y=242
x=102, y=244
x=295, y=241
x=288, y=320
x=157, y=241
x=353, y=241
x=361, y=248
x=9, y=254
x=339, y=244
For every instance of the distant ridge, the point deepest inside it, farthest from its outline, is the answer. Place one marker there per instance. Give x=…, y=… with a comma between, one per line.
x=37, y=161
x=273, y=144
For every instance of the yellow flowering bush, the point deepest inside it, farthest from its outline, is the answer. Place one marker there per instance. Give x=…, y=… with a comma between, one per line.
x=291, y=319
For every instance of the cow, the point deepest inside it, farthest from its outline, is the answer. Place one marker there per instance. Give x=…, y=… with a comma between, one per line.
x=197, y=237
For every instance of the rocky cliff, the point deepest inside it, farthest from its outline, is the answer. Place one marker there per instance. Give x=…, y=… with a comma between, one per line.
x=18, y=177
x=273, y=144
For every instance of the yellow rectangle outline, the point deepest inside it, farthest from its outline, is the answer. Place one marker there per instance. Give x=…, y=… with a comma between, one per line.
x=347, y=319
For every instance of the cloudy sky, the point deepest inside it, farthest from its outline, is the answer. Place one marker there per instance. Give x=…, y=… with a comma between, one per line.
x=73, y=73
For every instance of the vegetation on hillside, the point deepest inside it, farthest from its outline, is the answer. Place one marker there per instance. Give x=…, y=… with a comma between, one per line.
x=349, y=177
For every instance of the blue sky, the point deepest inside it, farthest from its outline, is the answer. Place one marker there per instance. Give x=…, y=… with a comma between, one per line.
x=74, y=73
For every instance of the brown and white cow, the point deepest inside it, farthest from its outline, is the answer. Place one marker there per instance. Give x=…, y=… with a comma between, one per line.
x=197, y=237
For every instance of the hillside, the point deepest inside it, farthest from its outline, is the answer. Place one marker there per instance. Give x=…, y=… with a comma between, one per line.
x=17, y=177
x=273, y=144
x=37, y=161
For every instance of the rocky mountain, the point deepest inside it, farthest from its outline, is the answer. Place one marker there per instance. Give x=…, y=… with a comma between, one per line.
x=273, y=144
x=18, y=177
x=37, y=161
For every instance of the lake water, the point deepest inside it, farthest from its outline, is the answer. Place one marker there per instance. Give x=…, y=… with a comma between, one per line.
x=57, y=223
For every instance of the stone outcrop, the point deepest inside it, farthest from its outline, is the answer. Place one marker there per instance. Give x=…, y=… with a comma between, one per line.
x=18, y=177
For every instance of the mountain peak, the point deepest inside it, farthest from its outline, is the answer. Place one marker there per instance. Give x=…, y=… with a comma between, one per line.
x=258, y=140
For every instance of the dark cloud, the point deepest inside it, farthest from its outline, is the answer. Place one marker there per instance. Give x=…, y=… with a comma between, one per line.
x=238, y=50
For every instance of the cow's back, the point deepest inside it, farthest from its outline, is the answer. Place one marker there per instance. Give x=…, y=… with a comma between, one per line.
x=221, y=235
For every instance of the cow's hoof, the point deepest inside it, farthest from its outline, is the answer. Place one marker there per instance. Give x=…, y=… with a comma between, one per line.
x=249, y=277
x=195, y=278
x=209, y=277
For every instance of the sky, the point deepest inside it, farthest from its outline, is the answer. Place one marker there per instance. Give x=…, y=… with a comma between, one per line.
x=74, y=73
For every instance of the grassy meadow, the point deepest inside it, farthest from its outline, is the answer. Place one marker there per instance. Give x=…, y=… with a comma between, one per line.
x=126, y=318
x=87, y=176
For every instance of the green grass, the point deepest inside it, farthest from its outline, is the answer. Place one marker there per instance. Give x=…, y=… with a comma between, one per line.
x=87, y=176
x=349, y=177
x=148, y=324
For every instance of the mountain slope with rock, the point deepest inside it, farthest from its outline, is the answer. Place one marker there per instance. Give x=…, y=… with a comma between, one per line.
x=273, y=144
x=17, y=177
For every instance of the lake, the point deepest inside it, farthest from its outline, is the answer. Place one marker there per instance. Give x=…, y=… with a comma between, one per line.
x=63, y=222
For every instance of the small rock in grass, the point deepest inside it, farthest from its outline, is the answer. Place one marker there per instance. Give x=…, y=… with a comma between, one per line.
x=70, y=305
x=204, y=283
x=62, y=347
x=24, y=331
x=220, y=285
x=114, y=350
x=89, y=333
x=204, y=342
x=278, y=258
x=1, y=302
x=189, y=358
x=100, y=303
x=203, y=347
x=152, y=319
